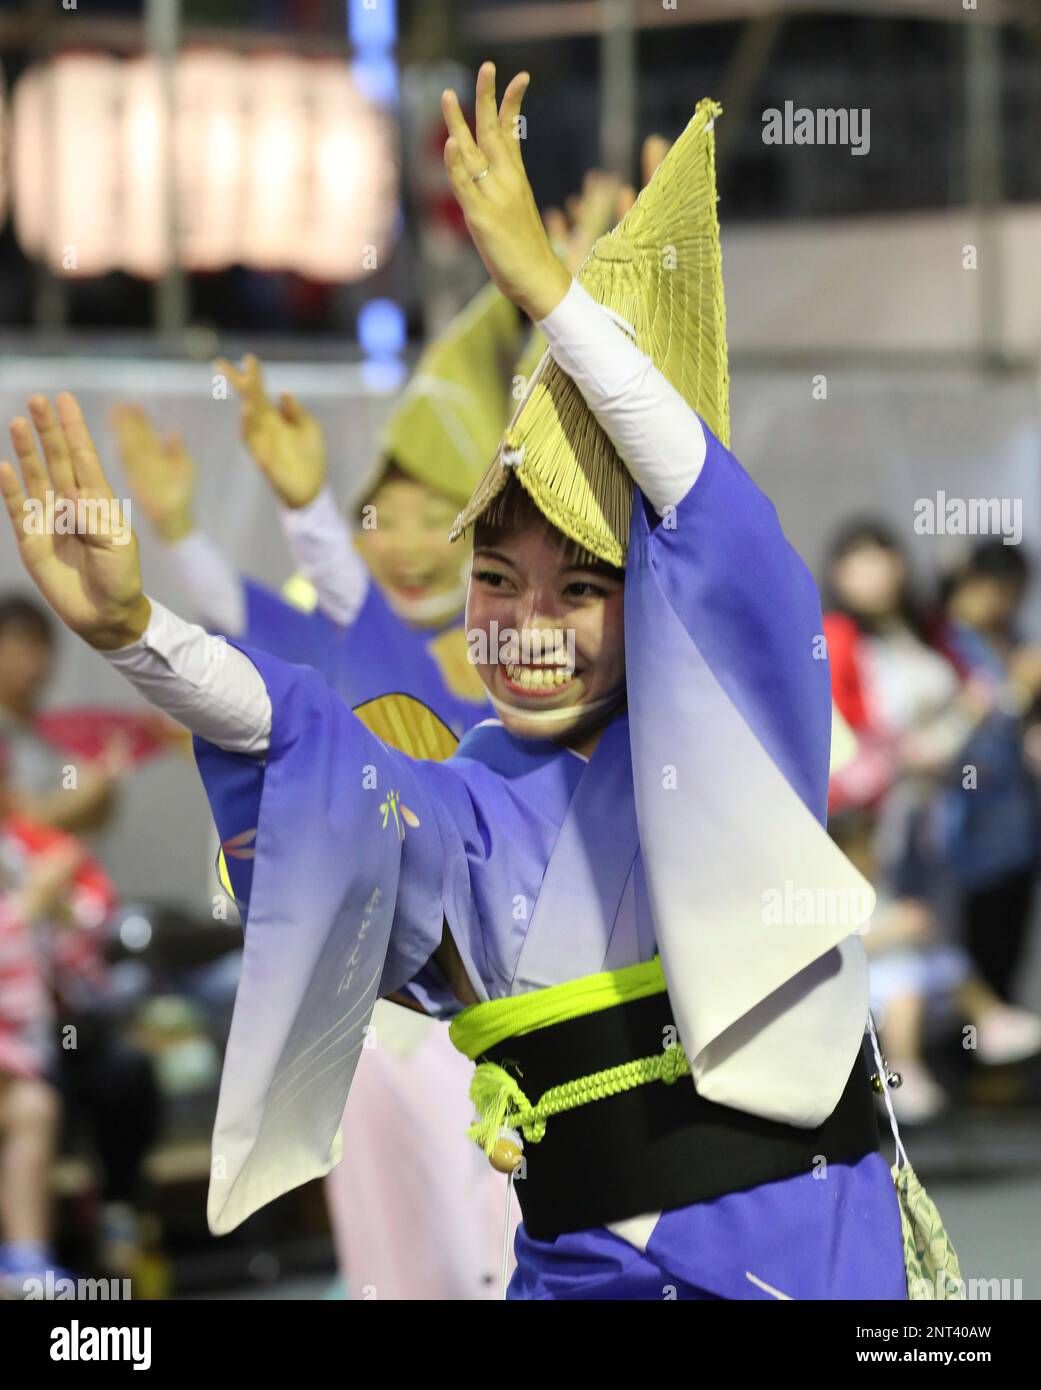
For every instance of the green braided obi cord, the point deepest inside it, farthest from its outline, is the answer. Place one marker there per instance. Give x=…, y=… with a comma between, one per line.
x=499, y=1100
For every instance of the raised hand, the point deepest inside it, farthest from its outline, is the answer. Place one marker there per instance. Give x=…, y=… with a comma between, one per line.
x=492, y=189
x=590, y=214
x=1024, y=669
x=286, y=441
x=49, y=880
x=161, y=472
x=653, y=151
x=87, y=571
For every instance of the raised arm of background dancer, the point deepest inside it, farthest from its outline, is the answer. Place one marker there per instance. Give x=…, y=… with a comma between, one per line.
x=287, y=445
x=284, y=440
x=161, y=474
x=587, y=216
x=92, y=581
x=322, y=547
x=603, y=200
x=211, y=582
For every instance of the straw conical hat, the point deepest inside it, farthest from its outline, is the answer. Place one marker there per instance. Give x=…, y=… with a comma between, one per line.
x=450, y=419
x=660, y=271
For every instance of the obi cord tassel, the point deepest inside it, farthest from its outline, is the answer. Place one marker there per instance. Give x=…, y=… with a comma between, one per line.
x=504, y=1112
x=502, y=1105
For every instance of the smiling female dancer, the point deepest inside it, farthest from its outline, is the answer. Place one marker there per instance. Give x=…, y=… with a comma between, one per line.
x=416, y=1211
x=583, y=885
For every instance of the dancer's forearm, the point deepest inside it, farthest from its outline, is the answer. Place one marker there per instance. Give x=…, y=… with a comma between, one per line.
x=658, y=436
x=320, y=541
x=199, y=680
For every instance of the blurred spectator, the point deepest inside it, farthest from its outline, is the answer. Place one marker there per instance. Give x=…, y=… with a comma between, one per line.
x=37, y=771
x=58, y=1039
x=917, y=975
x=110, y=1092
x=42, y=887
x=912, y=715
x=992, y=821
x=903, y=699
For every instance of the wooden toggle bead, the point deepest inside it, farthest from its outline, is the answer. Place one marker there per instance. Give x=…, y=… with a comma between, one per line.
x=508, y=1152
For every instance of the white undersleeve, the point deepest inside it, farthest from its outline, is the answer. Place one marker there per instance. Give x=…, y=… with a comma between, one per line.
x=658, y=436
x=199, y=680
x=320, y=542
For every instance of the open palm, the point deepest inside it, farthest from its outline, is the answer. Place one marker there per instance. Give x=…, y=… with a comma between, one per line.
x=160, y=471
x=91, y=577
x=492, y=189
x=285, y=440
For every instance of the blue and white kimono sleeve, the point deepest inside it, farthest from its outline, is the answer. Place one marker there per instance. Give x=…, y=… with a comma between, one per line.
x=376, y=654
x=754, y=907
x=288, y=632
x=348, y=858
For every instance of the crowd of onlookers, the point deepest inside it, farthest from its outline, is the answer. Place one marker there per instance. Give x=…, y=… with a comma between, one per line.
x=65, y=1059
x=936, y=796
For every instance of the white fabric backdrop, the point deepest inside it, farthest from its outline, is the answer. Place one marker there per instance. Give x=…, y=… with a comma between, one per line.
x=894, y=283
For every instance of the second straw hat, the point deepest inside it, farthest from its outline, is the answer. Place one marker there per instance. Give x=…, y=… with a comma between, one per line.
x=451, y=415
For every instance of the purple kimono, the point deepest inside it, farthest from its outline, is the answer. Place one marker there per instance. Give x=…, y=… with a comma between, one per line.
x=544, y=867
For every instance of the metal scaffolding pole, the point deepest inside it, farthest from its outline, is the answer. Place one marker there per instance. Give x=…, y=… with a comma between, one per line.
x=983, y=155
x=162, y=28
x=618, y=86
x=756, y=45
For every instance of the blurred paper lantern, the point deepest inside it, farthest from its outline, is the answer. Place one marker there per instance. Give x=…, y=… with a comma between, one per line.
x=210, y=135
x=83, y=187
x=140, y=136
x=352, y=184
x=280, y=164
x=65, y=190
x=277, y=133
x=27, y=137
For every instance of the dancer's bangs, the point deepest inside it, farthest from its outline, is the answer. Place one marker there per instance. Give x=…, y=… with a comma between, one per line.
x=512, y=510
